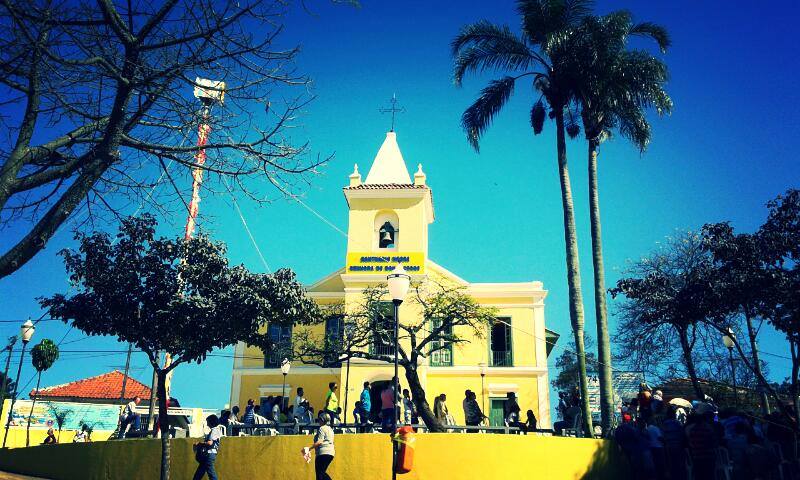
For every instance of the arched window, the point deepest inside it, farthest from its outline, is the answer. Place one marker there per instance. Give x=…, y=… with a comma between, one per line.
x=387, y=230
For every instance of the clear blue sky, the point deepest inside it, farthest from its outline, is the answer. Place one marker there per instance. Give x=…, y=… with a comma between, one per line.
x=725, y=151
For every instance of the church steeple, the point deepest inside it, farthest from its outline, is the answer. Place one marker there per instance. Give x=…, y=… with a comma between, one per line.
x=389, y=166
x=389, y=212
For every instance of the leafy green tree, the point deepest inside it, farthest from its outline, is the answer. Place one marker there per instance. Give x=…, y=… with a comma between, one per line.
x=190, y=300
x=614, y=86
x=8, y=385
x=43, y=356
x=669, y=297
x=781, y=235
x=746, y=283
x=540, y=55
x=450, y=317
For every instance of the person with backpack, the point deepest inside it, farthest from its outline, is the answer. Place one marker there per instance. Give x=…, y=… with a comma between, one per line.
x=206, y=451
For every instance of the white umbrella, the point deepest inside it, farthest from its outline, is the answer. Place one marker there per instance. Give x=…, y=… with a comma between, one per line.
x=681, y=402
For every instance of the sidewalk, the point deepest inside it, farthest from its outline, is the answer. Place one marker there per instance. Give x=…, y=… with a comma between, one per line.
x=14, y=476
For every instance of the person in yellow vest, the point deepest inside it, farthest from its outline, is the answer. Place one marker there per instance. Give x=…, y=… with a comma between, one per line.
x=331, y=401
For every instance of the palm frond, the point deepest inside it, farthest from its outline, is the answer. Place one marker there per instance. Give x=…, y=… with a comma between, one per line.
x=654, y=31
x=635, y=127
x=543, y=18
x=481, y=46
x=537, y=117
x=573, y=129
x=478, y=116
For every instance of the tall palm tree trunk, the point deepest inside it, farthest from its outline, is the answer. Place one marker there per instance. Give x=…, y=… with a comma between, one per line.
x=33, y=404
x=573, y=268
x=600, y=309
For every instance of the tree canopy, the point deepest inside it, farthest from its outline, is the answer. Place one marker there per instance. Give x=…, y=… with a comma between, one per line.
x=172, y=295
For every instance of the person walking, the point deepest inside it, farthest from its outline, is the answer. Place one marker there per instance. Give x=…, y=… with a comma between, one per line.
x=323, y=446
x=331, y=400
x=206, y=451
x=387, y=407
x=366, y=401
x=249, y=412
x=473, y=414
x=409, y=412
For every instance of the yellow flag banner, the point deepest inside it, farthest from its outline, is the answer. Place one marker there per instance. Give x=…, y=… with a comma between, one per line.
x=374, y=263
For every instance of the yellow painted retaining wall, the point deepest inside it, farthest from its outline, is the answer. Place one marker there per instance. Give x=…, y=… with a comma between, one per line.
x=438, y=456
x=17, y=435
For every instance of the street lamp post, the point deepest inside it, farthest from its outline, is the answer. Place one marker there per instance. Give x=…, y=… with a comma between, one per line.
x=729, y=340
x=483, y=368
x=398, y=282
x=348, y=334
x=25, y=333
x=285, y=366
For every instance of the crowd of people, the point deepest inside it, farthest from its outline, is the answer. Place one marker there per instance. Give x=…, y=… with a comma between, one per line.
x=285, y=416
x=697, y=440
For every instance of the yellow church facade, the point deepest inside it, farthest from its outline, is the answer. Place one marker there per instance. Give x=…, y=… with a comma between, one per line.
x=389, y=216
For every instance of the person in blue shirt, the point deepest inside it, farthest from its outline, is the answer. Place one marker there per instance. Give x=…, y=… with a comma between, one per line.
x=249, y=412
x=366, y=400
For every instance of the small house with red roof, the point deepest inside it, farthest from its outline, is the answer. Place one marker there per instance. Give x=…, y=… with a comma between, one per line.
x=105, y=388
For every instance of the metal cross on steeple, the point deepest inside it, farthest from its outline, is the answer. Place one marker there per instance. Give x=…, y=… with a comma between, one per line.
x=394, y=109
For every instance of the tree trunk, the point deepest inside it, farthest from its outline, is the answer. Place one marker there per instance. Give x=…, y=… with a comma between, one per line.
x=420, y=402
x=151, y=408
x=33, y=404
x=600, y=310
x=687, y=358
x=163, y=423
x=751, y=335
x=573, y=268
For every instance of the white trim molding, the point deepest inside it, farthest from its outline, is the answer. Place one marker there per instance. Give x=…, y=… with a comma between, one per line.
x=501, y=389
x=475, y=370
x=300, y=370
x=272, y=389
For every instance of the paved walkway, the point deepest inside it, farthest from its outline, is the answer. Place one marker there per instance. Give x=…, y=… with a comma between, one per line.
x=14, y=476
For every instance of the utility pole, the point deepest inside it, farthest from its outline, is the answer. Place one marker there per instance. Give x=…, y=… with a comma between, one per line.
x=128, y=361
x=125, y=375
x=150, y=408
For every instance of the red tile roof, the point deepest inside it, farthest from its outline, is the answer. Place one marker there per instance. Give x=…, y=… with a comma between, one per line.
x=386, y=186
x=105, y=386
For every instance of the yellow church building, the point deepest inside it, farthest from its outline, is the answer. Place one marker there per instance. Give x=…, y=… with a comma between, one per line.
x=389, y=215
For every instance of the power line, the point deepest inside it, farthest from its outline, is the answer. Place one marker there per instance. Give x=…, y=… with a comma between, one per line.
x=244, y=223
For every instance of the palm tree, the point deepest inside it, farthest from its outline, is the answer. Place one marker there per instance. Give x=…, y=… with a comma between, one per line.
x=613, y=87
x=43, y=356
x=539, y=54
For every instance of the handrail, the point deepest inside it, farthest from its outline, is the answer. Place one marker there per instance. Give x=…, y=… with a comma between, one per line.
x=356, y=426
